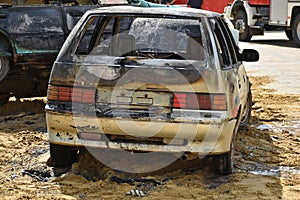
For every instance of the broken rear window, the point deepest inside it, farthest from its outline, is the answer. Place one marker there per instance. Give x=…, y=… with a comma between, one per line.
x=106, y=37
x=36, y=20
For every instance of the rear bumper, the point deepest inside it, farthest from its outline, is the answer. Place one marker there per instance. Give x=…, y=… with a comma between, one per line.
x=203, y=138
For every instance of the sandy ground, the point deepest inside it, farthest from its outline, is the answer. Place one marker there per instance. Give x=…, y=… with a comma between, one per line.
x=267, y=160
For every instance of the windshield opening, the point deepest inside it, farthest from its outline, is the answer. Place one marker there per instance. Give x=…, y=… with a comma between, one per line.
x=104, y=38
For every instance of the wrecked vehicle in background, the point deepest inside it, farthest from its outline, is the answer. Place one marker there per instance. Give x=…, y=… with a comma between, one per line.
x=149, y=80
x=30, y=39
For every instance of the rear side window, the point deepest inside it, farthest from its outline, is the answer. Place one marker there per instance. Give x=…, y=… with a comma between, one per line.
x=36, y=29
x=39, y=20
x=229, y=40
x=85, y=36
x=225, y=43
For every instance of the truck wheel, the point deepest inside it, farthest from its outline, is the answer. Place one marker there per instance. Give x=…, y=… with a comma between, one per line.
x=289, y=34
x=296, y=30
x=241, y=23
x=62, y=156
x=246, y=115
x=4, y=68
x=223, y=164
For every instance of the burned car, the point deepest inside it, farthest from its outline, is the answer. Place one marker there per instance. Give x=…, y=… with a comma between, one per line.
x=30, y=39
x=149, y=80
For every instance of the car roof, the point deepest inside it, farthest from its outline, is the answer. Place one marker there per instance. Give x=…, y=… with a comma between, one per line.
x=170, y=11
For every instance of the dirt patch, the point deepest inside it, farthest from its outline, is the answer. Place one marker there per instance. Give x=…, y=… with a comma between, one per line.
x=266, y=167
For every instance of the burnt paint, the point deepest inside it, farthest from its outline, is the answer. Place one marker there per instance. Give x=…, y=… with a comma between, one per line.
x=31, y=36
x=67, y=74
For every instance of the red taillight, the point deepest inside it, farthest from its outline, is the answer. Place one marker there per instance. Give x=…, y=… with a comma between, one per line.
x=179, y=100
x=219, y=102
x=64, y=94
x=205, y=102
x=68, y=94
x=199, y=101
x=185, y=100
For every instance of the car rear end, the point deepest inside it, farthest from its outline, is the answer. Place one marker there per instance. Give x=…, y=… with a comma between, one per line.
x=141, y=120
x=143, y=100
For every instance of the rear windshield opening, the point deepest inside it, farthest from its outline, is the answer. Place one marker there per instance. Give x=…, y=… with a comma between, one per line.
x=140, y=37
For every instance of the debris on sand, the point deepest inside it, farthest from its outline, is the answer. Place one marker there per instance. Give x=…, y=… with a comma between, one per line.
x=38, y=175
x=131, y=181
x=138, y=193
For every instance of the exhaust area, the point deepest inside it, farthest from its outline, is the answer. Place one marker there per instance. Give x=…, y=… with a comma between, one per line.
x=189, y=156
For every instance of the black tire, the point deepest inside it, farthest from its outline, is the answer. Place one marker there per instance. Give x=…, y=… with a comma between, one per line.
x=223, y=164
x=4, y=99
x=4, y=68
x=289, y=34
x=246, y=115
x=241, y=23
x=296, y=30
x=62, y=156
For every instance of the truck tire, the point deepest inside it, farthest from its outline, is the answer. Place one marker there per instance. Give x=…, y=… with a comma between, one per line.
x=4, y=68
x=289, y=34
x=241, y=23
x=62, y=156
x=223, y=164
x=296, y=30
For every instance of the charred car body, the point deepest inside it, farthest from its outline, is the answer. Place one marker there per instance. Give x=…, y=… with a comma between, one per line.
x=149, y=80
x=30, y=39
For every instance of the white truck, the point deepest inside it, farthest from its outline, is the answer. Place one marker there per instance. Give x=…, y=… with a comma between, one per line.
x=250, y=17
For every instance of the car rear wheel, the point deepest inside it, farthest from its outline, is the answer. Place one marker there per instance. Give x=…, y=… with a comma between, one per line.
x=62, y=156
x=223, y=164
x=4, y=68
x=241, y=24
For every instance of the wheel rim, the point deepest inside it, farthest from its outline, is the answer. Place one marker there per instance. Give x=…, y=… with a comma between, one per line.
x=298, y=30
x=4, y=68
x=1, y=67
x=240, y=25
